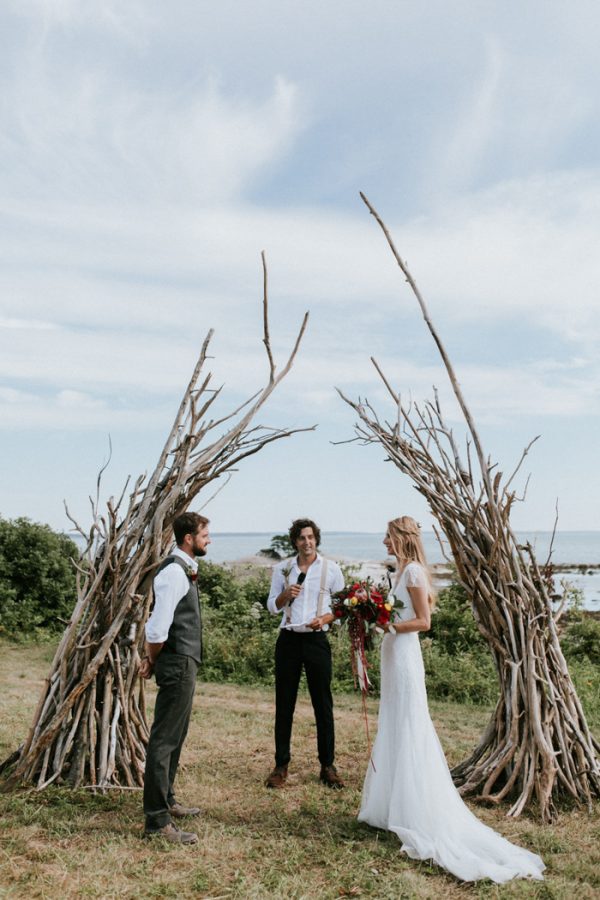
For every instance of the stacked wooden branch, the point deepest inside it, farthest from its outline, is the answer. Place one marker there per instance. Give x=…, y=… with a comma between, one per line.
x=537, y=745
x=90, y=727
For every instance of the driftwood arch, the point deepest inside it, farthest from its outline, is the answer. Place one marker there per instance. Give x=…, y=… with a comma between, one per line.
x=90, y=726
x=537, y=745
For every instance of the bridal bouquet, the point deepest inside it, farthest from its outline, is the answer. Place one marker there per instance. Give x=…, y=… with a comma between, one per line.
x=365, y=609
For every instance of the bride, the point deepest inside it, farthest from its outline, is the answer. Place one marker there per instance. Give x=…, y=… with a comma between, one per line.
x=408, y=788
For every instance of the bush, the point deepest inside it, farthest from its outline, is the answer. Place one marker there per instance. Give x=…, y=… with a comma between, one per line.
x=279, y=548
x=586, y=678
x=467, y=677
x=37, y=577
x=453, y=628
x=240, y=635
x=580, y=640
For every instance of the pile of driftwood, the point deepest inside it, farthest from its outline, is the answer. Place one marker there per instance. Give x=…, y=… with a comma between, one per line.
x=90, y=727
x=537, y=744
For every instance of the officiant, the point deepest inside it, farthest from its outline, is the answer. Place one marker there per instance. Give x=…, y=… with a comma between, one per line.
x=301, y=589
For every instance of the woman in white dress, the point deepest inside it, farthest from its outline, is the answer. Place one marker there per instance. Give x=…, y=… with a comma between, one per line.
x=408, y=788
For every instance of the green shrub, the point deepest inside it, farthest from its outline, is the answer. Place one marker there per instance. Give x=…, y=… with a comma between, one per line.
x=586, y=678
x=467, y=677
x=581, y=639
x=453, y=628
x=239, y=633
x=37, y=577
x=279, y=548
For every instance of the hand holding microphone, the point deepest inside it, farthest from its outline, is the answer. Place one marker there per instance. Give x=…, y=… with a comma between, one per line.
x=296, y=588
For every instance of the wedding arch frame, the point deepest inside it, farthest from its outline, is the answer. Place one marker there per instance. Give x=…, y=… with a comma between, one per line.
x=90, y=728
x=537, y=746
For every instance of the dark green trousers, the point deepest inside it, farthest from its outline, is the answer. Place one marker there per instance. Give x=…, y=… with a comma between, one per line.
x=176, y=680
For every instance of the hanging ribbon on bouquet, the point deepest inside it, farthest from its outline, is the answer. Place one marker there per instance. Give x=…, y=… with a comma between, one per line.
x=359, y=635
x=365, y=609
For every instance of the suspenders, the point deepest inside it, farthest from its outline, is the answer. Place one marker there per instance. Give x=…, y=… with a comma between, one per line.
x=322, y=587
x=321, y=600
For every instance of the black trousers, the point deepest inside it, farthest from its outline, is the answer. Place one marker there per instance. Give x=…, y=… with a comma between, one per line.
x=293, y=651
x=176, y=680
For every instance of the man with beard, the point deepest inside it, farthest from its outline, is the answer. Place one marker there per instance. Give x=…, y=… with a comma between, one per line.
x=173, y=651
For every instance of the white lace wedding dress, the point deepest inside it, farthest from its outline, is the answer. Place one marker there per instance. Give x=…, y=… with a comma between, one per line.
x=408, y=788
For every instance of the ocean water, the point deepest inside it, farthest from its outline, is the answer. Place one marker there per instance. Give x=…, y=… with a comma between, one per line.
x=574, y=549
x=570, y=547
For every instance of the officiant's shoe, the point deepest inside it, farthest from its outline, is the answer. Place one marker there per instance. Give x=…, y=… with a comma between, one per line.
x=277, y=778
x=173, y=834
x=181, y=812
x=330, y=777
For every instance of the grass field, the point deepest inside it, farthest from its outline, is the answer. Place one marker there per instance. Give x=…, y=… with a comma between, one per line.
x=303, y=842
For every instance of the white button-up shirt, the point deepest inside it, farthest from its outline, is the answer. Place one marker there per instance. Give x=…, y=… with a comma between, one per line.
x=304, y=608
x=170, y=586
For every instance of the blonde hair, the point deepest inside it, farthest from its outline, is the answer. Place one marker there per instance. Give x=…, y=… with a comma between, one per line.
x=405, y=538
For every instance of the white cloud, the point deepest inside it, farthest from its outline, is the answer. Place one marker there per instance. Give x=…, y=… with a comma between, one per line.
x=519, y=256
x=27, y=324
x=148, y=152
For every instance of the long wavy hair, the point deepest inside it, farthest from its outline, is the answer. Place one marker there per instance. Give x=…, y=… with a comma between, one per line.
x=405, y=538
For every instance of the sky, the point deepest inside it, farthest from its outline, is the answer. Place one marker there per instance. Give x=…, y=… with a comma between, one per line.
x=149, y=152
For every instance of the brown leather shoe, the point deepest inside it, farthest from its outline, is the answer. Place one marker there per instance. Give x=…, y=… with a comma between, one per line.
x=180, y=812
x=330, y=777
x=173, y=834
x=277, y=777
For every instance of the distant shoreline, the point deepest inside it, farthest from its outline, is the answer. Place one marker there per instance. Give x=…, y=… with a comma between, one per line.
x=584, y=577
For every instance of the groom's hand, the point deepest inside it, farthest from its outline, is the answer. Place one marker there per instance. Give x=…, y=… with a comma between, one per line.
x=318, y=622
x=146, y=668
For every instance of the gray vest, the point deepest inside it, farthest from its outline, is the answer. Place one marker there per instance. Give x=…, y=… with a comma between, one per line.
x=185, y=633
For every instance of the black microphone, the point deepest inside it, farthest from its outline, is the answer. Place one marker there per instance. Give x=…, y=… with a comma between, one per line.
x=300, y=580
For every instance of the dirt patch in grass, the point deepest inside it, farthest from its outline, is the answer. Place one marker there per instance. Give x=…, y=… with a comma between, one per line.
x=302, y=842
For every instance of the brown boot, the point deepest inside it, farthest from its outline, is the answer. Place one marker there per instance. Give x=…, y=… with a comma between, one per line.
x=330, y=777
x=180, y=812
x=277, y=777
x=173, y=834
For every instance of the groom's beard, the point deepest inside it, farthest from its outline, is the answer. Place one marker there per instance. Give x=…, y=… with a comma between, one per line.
x=200, y=552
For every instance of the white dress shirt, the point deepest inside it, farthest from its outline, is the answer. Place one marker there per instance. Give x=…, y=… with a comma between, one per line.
x=170, y=586
x=304, y=608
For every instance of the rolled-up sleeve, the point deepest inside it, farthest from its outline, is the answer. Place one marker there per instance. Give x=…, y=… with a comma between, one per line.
x=170, y=585
x=337, y=581
x=277, y=585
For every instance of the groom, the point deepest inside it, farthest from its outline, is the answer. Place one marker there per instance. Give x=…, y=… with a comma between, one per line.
x=173, y=653
x=301, y=590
